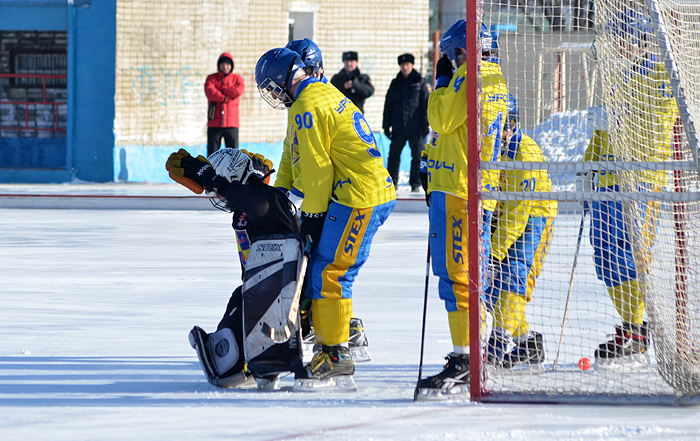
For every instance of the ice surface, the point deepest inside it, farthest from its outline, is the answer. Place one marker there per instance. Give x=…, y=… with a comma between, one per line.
x=94, y=315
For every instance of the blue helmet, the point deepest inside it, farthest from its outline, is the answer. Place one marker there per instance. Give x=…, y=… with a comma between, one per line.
x=310, y=55
x=513, y=119
x=454, y=38
x=274, y=74
x=489, y=44
x=634, y=26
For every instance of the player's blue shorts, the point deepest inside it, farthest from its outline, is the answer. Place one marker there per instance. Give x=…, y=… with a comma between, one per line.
x=612, y=249
x=343, y=249
x=449, y=247
x=516, y=268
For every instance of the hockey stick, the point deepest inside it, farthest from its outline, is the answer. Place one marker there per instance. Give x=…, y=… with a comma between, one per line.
x=571, y=285
x=425, y=309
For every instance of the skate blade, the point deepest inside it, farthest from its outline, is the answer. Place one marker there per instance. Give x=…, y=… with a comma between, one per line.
x=360, y=354
x=634, y=362
x=240, y=380
x=459, y=392
x=267, y=385
x=518, y=369
x=341, y=383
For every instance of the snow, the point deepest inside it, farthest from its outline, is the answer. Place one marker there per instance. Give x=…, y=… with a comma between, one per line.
x=97, y=304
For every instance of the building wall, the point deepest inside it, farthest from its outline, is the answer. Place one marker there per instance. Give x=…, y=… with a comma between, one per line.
x=86, y=150
x=166, y=49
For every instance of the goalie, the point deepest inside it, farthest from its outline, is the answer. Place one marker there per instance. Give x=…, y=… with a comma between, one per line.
x=258, y=337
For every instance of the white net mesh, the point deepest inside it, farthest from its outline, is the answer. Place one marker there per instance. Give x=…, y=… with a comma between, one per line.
x=607, y=96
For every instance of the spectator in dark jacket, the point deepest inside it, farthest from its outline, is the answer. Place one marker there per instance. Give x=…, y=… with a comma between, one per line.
x=352, y=83
x=224, y=90
x=406, y=119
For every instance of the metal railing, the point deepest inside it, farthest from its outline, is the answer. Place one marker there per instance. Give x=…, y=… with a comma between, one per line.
x=56, y=127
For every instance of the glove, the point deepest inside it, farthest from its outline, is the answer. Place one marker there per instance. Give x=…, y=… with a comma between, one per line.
x=443, y=72
x=262, y=165
x=584, y=183
x=312, y=226
x=423, y=171
x=197, y=174
x=387, y=132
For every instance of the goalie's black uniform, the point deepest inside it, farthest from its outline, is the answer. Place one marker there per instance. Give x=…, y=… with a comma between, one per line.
x=257, y=337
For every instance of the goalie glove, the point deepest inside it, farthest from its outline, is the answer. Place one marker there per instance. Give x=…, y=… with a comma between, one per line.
x=584, y=183
x=197, y=174
x=263, y=166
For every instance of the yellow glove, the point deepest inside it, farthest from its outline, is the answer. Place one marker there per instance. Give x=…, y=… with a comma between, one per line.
x=182, y=174
x=261, y=165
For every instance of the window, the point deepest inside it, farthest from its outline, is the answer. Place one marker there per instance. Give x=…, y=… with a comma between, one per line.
x=46, y=63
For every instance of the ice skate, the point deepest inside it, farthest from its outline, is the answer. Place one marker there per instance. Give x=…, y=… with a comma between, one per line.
x=451, y=383
x=199, y=340
x=268, y=382
x=626, y=350
x=358, y=342
x=528, y=353
x=331, y=369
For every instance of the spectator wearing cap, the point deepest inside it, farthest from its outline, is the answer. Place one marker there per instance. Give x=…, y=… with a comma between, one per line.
x=223, y=90
x=406, y=119
x=352, y=83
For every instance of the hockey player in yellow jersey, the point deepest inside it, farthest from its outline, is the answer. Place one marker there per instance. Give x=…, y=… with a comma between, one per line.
x=522, y=233
x=446, y=171
x=639, y=128
x=312, y=58
x=347, y=194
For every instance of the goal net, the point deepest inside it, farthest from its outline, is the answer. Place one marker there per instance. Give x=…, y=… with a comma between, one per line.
x=593, y=250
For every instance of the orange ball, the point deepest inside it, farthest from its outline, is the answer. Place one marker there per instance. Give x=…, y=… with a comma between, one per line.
x=584, y=364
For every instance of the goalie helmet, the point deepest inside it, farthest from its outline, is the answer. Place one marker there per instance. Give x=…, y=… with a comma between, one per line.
x=274, y=73
x=310, y=55
x=232, y=164
x=513, y=119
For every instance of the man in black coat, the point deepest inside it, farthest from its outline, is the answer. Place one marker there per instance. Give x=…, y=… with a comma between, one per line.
x=352, y=83
x=406, y=119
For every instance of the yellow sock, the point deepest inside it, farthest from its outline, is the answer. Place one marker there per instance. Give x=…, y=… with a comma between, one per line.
x=459, y=327
x=628, y=301
x=509, y=313
x=332, y=316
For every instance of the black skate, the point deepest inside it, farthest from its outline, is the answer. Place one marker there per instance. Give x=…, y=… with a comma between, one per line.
x=358, y=341
x=627, y=349
x=234, y=378
x=527, y=353
x=331, y=368
x=451, y=383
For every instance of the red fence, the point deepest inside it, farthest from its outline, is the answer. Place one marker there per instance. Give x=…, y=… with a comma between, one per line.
x=44, y=101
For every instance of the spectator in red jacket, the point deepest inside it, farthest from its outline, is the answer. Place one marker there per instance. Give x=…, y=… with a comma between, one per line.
x=224, y=90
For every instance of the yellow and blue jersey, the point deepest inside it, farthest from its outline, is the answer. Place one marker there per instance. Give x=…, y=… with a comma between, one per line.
x=512, y=216
x=333, y=153
x=641, y=123
x=447, y=153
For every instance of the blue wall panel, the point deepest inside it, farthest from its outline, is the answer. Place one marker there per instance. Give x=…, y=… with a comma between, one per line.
x=93, y=88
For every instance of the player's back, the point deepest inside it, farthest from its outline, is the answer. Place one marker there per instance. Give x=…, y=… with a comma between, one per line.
x=329, y=127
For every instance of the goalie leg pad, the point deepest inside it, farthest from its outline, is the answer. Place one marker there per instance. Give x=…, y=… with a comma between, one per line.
x=219, y=352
